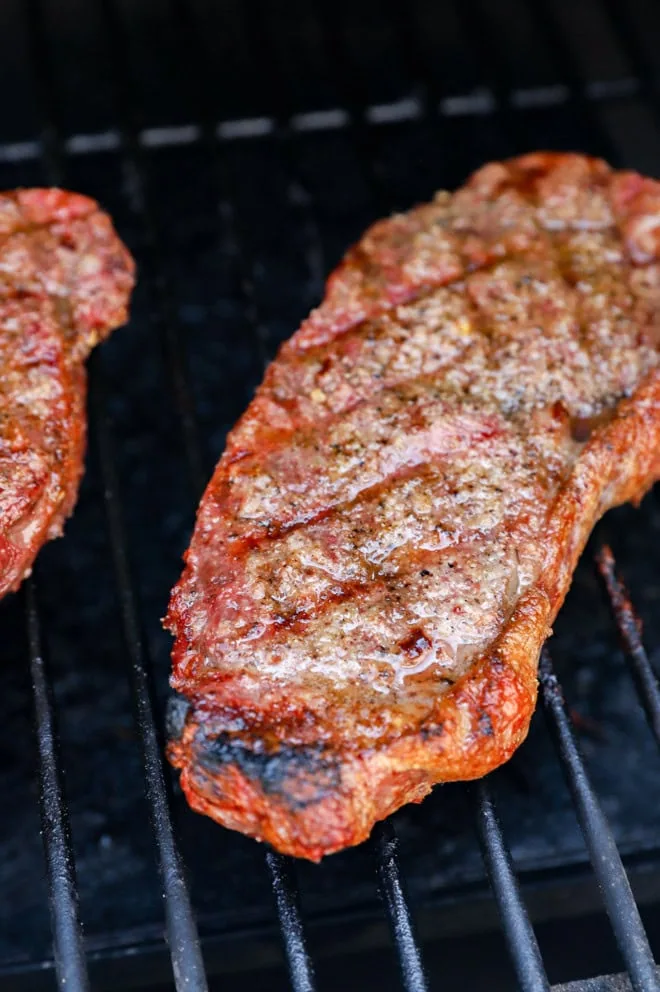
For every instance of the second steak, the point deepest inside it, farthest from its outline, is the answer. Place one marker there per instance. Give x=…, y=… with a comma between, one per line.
x=65, y=279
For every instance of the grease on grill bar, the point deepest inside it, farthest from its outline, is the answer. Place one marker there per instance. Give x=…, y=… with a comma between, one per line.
x=494, y=128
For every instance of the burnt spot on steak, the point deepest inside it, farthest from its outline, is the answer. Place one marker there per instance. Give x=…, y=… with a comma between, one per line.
x=485, y=725
x=176, y=711
x=300, y=776
x=431, y=731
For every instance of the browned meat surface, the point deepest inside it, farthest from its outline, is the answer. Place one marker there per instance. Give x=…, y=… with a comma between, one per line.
x=395, y=520
x=65, y=279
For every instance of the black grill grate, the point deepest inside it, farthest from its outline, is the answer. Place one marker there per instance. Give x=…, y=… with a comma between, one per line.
x=517, y=926
x=609, y=870
x=385, y=845
x=497, y=116
x=67, y=937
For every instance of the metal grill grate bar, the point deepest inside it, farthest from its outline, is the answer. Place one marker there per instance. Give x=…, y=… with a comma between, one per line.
x=287, y=899
x=68, y=947
x=385, y=844
x=646, y=680
x=70, y=967
x=187, y=962
x=608, y=867
x=520, y=937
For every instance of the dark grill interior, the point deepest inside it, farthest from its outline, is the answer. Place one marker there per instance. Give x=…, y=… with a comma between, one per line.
x=241, y=147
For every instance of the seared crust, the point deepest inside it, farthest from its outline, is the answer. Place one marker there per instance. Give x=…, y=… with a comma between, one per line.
x=65, y=279
x=309, y=766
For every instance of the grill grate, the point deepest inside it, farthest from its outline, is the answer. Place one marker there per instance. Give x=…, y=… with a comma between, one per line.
x=609, y=870
x=288, y=908
x=363, y=110
x=187, y=963
x=67, y=937
x=517, y=927
x=385, y=844
x=629, y=628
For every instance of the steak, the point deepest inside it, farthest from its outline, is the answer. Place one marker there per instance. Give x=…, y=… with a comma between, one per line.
x=395, y=520
x=65, y=279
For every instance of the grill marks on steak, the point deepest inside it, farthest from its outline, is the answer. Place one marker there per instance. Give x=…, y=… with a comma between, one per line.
x=395, y=520
x=361, y=552
x=420, y=514
x=64, y=283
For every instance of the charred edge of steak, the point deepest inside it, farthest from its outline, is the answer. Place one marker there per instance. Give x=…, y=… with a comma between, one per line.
x=296, y=777
x=177, y=709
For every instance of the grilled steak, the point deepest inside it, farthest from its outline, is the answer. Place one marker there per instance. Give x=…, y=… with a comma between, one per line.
x=395, y=520
x=65, y=279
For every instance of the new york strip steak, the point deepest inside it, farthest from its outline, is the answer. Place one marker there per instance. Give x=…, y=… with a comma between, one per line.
x=395, y=520
x=65, y=279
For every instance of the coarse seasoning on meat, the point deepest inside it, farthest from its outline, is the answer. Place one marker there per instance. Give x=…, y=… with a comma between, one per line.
x=396, y=518
x=65, y=279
